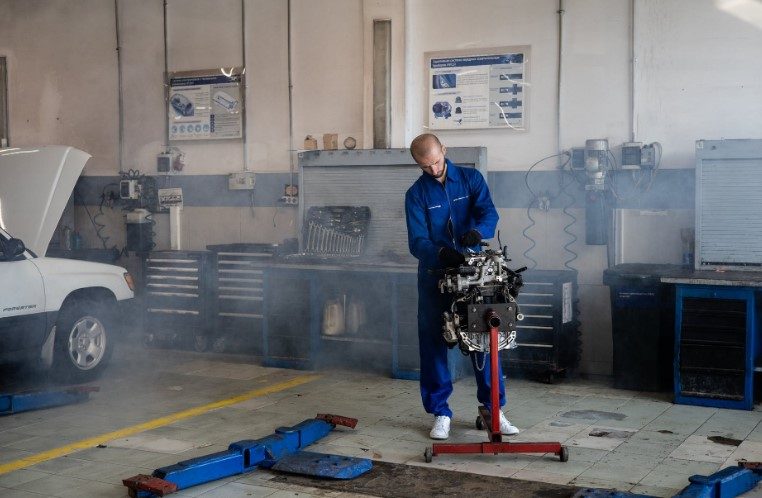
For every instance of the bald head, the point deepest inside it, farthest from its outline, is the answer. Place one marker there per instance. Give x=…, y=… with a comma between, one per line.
x=423, y=144
x=429, y=153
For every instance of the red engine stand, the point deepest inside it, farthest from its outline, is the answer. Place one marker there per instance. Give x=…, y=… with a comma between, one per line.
x=491, y=422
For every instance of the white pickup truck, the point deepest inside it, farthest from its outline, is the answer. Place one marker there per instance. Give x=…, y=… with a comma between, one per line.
x=63, y=312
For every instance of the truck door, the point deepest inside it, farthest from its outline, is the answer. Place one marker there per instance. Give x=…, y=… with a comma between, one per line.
x=22, y=305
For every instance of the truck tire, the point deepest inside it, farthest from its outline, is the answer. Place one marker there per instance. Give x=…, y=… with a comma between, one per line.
x=85, y=333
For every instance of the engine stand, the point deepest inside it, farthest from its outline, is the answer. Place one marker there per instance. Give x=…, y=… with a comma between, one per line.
x=491, y=423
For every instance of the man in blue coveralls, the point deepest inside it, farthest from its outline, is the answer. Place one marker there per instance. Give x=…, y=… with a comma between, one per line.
x=448, y=210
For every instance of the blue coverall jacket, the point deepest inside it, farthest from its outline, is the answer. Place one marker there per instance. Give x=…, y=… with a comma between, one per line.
x=438, y=215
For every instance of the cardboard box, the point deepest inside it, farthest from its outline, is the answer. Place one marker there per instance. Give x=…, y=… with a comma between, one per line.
x=310, y=143
x=330, y=141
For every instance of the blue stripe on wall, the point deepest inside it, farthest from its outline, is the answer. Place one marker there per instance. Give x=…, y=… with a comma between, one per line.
x=198, y=190
x=670, y=189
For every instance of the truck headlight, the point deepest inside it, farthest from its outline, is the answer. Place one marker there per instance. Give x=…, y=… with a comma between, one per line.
x=130, y=281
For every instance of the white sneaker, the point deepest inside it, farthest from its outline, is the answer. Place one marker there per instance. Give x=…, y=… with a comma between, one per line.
x=441, y=429
x=506, y=427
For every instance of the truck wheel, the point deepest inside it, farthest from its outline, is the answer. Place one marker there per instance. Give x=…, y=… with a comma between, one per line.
x=84, y=340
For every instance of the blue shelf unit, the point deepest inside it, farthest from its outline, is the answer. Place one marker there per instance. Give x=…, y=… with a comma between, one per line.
x=716, y=347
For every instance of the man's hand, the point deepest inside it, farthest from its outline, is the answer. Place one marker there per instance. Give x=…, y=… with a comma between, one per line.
x=471, y=238
x=450, y=257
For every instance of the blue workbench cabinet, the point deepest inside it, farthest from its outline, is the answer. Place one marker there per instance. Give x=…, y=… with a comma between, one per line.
x=716, y=346
x=323, y=316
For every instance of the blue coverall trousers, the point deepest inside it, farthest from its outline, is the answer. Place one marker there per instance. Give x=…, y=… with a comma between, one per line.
x=436, y=382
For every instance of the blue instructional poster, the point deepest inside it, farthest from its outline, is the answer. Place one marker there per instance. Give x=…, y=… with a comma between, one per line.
x=478, y=91
x=205, y=105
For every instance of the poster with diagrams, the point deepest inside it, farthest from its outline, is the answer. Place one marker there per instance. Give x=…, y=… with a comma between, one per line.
x=485, y=88
x=206, y=104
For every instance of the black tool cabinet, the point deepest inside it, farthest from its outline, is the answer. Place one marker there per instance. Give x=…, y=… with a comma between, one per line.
x=548, y=338
x=238, y=295
x=176, y=298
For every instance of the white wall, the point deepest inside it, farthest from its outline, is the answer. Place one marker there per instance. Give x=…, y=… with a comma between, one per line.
x=327, y=48
x=62, y=75
x=596, y=72
x=699, y=73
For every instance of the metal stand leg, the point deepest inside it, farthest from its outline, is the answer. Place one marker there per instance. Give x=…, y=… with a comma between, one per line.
x=496, y=444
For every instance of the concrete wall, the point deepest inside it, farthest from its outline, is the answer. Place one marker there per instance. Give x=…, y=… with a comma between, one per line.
x=696, y=76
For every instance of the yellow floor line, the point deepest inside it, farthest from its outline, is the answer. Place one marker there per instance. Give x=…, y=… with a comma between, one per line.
x=151, y=424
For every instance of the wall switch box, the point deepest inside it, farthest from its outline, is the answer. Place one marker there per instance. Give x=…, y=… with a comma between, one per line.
x=164, y=163
x=578, y=158
x=631, y=155
x=129, y=189
x=648, y=157
x=243, y=180
x=290, y=194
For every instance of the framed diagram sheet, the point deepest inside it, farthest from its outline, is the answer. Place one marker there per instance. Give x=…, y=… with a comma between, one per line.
x=481, y=88
x=206, y=104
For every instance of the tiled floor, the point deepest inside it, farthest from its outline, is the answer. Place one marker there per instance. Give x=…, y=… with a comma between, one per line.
x=618, y=439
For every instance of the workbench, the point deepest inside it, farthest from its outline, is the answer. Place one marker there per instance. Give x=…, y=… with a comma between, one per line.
x=380, y=333
x=717, y=344
x=694, y=332
x=297, y=332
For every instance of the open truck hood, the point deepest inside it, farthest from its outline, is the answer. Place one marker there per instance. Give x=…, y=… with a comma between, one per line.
x=35, y=185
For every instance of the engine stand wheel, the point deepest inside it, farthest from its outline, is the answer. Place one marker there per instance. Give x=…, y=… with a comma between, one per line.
x=479, y=423
x=564, y=454
x=428, y=455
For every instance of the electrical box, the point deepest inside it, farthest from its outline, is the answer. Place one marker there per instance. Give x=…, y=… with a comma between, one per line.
x=631, y=155
x=648, y=157
x=290, y=194
x=129, y=189
x=164, y=163
x=243, y=180
x=578, y=158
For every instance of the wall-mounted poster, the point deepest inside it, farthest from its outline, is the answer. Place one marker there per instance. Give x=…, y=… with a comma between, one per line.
x=484, y=88
x=206, y=104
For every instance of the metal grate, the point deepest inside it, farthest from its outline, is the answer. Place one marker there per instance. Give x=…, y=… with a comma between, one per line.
x=728, y=200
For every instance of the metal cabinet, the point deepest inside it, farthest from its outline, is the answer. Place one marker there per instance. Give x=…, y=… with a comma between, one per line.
x=176, y=298
x=715, y=346
x=305, y=305
x=322, y=317
x=548, y=337
x=238, y=296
